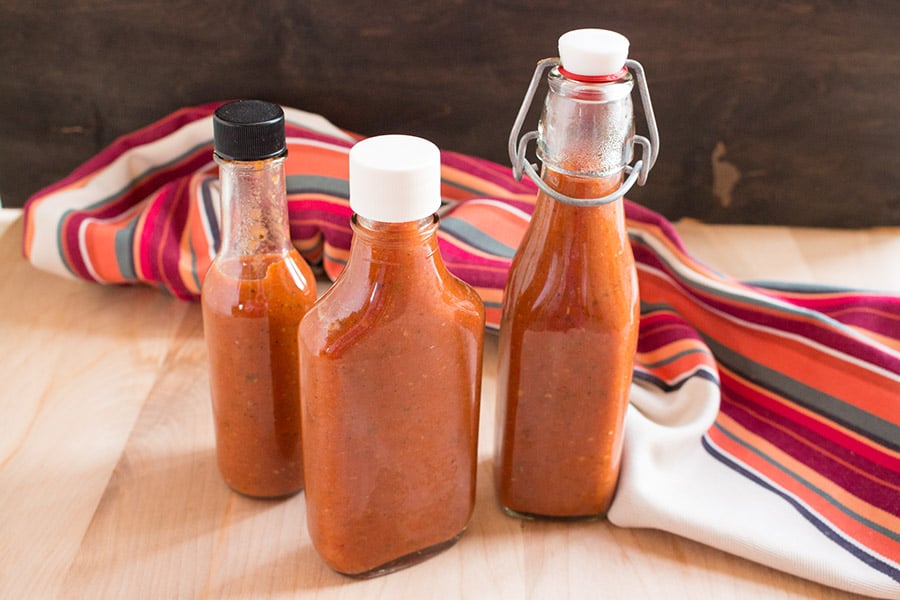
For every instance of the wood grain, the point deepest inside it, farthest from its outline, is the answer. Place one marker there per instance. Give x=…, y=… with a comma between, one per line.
x=75, y=377
x=109, y=488
x=779, y=112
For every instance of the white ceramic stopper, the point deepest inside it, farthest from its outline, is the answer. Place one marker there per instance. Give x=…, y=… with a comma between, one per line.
x=593, y=52
x=395, y=178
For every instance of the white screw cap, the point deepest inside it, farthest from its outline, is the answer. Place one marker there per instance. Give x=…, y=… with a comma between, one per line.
x=395, y=178
x=593, y=52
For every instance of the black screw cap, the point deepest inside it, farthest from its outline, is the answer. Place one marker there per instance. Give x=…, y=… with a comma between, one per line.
x=249, y=130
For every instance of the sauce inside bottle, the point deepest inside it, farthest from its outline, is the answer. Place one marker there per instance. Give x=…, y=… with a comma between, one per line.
x=251, y=311
x=567, y=340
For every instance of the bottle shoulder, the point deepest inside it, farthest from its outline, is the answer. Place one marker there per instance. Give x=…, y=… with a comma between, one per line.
x=259, y=283
x=581, y=266
x=376, y=314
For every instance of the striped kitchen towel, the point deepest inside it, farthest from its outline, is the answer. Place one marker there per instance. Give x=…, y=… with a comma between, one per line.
x=763, y=421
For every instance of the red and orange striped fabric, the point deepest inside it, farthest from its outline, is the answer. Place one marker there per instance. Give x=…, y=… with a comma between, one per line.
x=764, y=421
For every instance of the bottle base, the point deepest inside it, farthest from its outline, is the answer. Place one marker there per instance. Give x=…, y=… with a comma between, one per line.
x=272, y=496
x=406, y=561
x=527, y=516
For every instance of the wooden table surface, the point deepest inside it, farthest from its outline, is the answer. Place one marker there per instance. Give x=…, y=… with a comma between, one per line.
x=109, y=487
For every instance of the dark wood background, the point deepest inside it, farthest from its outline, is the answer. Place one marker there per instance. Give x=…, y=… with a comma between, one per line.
x=770, y=112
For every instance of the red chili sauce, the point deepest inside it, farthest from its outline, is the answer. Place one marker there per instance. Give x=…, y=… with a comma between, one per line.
x=251, y=310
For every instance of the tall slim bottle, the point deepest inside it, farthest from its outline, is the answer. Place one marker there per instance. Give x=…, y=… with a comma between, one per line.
x=569, y=327
x=253, y=297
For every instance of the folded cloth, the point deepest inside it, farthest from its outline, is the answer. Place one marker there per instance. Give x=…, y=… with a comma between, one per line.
x=764, y=422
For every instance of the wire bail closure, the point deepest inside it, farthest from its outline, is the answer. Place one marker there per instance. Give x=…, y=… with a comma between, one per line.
x=636, y=173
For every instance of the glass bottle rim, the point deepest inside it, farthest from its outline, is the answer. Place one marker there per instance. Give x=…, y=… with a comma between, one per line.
x=590, y=91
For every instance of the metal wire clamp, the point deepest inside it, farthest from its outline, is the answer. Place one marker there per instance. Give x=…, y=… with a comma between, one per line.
x=636, y=173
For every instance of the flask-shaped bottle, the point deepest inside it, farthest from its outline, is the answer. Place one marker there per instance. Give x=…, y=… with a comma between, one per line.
x=391, y=365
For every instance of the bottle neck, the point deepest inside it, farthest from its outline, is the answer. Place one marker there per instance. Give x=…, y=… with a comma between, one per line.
x=408, y=245
x=586, y=128
x=254, y=207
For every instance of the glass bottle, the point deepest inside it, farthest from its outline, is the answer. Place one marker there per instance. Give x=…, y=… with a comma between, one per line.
x=391, y=363
x=568, y=331
x=253, y=297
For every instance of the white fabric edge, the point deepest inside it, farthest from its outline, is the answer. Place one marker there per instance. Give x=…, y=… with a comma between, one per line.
x=670, y=482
